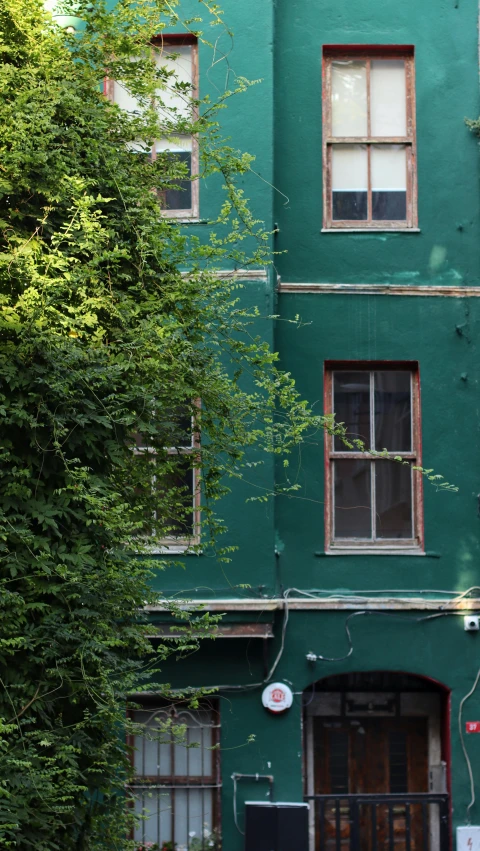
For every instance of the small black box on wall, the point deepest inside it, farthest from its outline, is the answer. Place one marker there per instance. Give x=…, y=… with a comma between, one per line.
x=276, y=827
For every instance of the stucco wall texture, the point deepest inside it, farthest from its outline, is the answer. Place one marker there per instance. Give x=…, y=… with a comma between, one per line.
x=280, y=121
x=444, y=36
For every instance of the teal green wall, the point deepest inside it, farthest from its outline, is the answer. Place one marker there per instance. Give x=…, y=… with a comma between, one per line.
x=251, y=525
x=439, y=649
x=352, y=327
x=279, y=121
x=444, y=34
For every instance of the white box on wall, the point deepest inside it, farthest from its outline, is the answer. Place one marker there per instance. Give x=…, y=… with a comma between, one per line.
x=468, y=838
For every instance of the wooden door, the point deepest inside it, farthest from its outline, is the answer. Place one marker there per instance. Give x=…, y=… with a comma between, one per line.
x=370, y=755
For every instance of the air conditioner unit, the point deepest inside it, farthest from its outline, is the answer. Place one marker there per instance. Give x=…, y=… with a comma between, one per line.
x=276, y=827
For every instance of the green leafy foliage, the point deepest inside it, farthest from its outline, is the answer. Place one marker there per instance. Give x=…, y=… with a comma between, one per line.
x=113, y=324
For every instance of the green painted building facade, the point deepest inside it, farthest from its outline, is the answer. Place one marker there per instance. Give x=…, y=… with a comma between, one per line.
x=374, y=298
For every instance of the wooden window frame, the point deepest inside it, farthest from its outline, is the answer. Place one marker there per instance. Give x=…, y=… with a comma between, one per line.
x=179, y=40
x=173, y=544
x=367, y=53
x=174, y=781
x=406, y=546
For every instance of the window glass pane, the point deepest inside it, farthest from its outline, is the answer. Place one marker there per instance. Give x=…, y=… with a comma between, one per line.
x=180, y=148
x=388, y=97
x=192, y=816
x=156, y=805
x=393, y=487
x=389, y=182
x=349, y=182
x=351, y=405
x=179, y=60
x=349, y=98
x=353, y=514
x=174, y=144
x=181, y=479
x=124, y=99
x=393, y=411
x=152, y=755
x=180, y=197
x=179, y=425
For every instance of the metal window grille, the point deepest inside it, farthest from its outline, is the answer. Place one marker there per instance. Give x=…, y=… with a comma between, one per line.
x=176, y=782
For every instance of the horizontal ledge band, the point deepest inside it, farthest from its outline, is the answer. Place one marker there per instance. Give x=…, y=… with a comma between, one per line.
x=331, y=604
x=383, y=289
x=370, y=230
x=236, y=274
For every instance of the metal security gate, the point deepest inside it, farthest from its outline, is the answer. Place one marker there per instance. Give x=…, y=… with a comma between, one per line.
x=371, y=822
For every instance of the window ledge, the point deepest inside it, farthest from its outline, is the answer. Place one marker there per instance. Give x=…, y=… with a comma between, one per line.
x=174, y=549
x=370, y=230
x=373, y=551
x=187, y=220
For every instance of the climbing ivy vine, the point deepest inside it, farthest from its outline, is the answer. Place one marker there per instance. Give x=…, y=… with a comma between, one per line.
x=114, y=323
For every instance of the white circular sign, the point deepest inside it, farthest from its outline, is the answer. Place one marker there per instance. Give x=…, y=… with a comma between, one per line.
x=277, y=697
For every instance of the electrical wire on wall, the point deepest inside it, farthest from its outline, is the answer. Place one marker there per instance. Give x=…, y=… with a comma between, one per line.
x=464, y=748
x=313, y=657
x=252, y=686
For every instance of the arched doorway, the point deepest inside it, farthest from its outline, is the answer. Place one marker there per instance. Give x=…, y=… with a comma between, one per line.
x=377, y=754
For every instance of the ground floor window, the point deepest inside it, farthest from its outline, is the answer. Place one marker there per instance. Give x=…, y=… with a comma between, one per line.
x=177, y=778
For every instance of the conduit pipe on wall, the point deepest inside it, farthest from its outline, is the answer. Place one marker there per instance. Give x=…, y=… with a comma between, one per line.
x=257, y=777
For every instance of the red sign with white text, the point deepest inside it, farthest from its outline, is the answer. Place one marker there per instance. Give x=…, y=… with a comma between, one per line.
x=472, y=726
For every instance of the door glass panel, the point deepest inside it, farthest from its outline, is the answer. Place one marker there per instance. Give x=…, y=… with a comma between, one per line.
x=388, y=97
x=389, y=182
x=349, y=98
x=338, y=763
x=349, y=182
x=393, y=485
x=351, y=404
x=398, y=765
x=393, y=411
x=353, y=512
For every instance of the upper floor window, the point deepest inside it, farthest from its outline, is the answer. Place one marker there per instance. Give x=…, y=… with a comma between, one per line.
x=374, y=503
x=177, y=488
x=369, y=157
x=177, y=54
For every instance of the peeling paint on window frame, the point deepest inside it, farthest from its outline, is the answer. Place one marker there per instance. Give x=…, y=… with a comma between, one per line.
x=192, y=212
x=331, y=53
x=355, y=546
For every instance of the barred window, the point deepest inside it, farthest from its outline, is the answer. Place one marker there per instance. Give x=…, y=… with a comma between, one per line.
x=176, y=783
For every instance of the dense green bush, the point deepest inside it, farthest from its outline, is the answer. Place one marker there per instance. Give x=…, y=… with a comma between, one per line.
x=102, y=336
